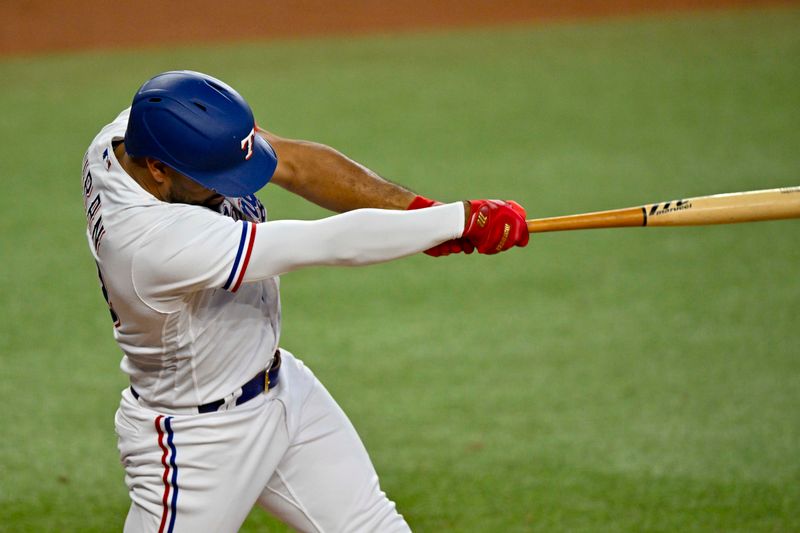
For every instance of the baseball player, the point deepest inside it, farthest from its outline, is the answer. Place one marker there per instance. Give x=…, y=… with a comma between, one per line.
x=217, y=417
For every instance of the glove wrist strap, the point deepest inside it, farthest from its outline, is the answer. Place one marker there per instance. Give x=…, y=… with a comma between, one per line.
x=420, y=202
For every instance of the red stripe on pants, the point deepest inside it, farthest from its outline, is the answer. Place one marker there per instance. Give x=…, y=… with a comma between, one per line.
x=165, y=499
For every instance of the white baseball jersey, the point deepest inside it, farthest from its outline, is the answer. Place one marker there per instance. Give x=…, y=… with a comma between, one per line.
x=193, y=293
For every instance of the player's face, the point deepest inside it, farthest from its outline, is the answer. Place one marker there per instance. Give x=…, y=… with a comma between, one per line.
x=187, y=191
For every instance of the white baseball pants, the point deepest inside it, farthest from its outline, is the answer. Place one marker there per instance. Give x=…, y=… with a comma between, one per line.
x=292, y=450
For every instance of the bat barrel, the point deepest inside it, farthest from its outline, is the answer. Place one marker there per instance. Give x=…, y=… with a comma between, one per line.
x=773, y=204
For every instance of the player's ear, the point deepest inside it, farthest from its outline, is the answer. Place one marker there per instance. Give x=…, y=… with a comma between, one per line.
x=158, y=170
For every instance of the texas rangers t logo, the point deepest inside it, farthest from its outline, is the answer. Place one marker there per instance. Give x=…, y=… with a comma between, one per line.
x=248, y=142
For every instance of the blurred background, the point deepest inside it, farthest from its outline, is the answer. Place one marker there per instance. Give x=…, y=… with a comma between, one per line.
x=608, y=380
x=42, y=25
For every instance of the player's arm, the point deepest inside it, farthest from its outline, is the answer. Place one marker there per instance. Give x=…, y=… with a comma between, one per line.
x=332, y=180
x=201, y=250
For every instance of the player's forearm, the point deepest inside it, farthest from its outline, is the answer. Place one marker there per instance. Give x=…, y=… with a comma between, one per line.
x=360, y=237
x=330, y=179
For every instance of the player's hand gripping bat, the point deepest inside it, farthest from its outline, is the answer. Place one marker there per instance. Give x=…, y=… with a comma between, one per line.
x=772, y=204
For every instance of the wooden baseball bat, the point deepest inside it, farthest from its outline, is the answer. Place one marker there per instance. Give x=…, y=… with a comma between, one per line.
x=771, y=204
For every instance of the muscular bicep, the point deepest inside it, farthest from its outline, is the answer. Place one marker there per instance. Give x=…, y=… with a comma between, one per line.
x=290, y=153
x=328, y=178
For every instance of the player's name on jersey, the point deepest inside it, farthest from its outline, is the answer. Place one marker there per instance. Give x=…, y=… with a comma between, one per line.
x=94, y=219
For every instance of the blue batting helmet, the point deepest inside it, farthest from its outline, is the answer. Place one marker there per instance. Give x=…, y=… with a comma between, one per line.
x=202, y=128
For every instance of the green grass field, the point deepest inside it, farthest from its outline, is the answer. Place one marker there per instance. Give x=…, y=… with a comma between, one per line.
x=615, y=380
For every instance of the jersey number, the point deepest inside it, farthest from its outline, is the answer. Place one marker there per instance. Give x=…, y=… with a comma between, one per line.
x=114, y=315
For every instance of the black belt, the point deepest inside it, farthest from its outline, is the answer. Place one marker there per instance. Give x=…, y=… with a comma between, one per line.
x=261, y=382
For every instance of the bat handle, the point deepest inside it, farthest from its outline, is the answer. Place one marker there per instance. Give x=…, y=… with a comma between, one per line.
x=615, y=218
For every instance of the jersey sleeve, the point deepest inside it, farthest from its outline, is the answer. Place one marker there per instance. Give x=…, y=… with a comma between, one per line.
x=201, y=249
x=197, y=250
x=359, y=237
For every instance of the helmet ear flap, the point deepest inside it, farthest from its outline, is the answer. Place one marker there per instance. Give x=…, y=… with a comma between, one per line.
x=202, y=128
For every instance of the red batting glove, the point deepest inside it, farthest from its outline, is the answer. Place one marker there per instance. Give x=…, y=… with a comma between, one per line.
x=453, y=246
x=494, y=226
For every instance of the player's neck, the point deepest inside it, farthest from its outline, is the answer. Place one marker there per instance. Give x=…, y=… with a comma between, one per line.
x=138, y=172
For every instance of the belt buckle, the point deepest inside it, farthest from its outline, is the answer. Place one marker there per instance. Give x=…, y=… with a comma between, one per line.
x=266, y=381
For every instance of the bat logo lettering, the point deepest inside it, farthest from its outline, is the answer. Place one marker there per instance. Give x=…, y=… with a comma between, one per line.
x=668, y=207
